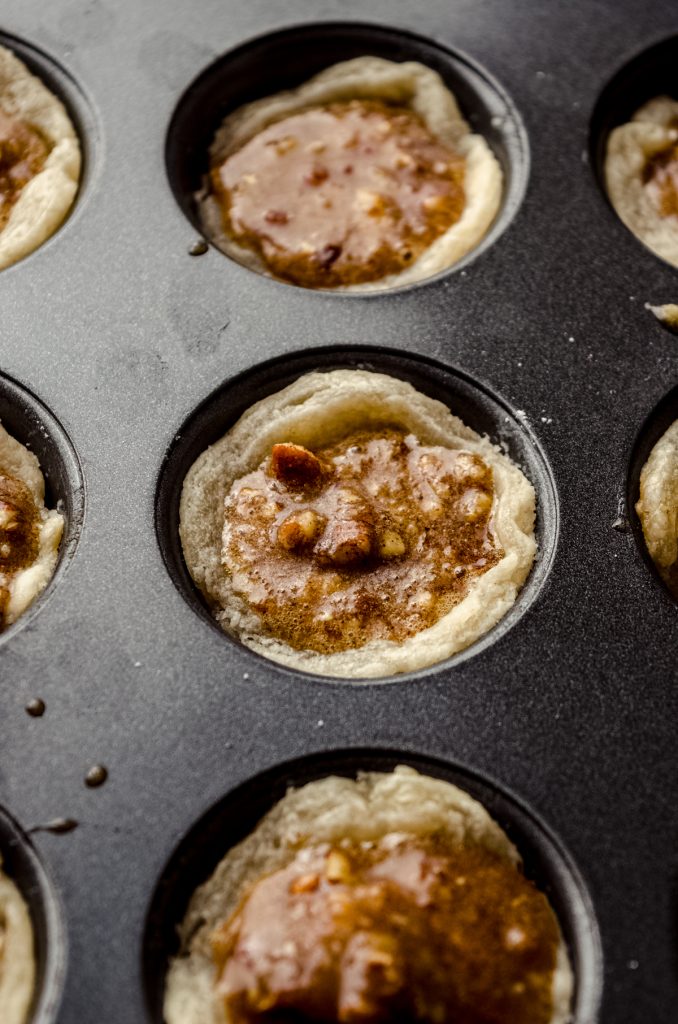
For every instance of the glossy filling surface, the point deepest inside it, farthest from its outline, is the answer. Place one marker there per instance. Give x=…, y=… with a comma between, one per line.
x=375, y=537
x=19, y=534
x=23, y=152
x=399, y=930
x=342, y=194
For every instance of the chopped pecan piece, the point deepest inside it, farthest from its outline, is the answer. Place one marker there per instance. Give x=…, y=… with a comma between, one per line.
x=300, y=529
x=338, y=867
x=391, y=544
x=349, y=536
x=294, y=466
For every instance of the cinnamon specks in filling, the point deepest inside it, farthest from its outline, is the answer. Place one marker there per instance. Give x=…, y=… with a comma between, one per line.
x=342, y=194
x=376, y=537
x=23, y=152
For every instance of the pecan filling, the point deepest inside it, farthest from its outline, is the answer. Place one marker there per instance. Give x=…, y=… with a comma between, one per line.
x=23, y=152
x=660, y=177
x=342, y=194
x=19, y=534
x=373, y=538
x=401, y=930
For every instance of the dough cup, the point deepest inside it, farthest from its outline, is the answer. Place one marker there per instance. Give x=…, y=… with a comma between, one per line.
x=319, y=409
x=46, y=199
x=373, y=806
x=409, y=84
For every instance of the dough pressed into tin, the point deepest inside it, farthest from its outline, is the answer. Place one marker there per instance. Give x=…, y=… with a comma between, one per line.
x=322, y=409
x=17, y=958
x=45, y=200
x=633, y=149
x=407, y=85
x=30, y=534
x=375, y=808
x=657, y=507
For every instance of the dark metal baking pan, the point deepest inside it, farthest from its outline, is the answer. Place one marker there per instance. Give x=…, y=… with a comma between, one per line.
x=123, y=336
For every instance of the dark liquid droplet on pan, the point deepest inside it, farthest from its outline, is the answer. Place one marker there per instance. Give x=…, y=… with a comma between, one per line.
x=96, y=776
x=199, y=248
x=35, y=708
x=621, y=524
x=58, y=826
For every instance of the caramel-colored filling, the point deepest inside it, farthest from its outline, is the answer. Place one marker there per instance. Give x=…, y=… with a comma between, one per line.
x=373, y=538
x=19, y=534
x=660, y=177
x=23, y=152
x=342, y=194
x=393, y=932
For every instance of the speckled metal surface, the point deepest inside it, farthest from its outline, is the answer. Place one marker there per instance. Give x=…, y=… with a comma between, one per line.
x=122, y=334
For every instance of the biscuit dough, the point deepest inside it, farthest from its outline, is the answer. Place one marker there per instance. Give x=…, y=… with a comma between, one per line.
x=17, y=960
x=658, y=506
x=667, y=314
x=46, y=199
x=321, y=409
x=21, y=584
x=631, y=147
x=409, y=84
x=375, y=805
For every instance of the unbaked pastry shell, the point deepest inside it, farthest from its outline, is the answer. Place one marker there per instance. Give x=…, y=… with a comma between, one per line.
x=408, y=84
x=657, y=507
x=652, y=129
x=17, y=959
x=374, y=805
x=25, y=585
x=320, y=409
x=47, y=198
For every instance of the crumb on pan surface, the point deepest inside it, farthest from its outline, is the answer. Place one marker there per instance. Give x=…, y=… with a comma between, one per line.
x=641, y=175
x=657, y=506
x=40, y=201
x=323, y=409
x=17, y=959
x=666, y=314
x=30, y=534
x=401, y=811
x=442, y=231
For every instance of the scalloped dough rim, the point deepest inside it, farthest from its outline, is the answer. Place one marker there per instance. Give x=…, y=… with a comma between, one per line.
x=657, y=506
x=410, y=84
x=328, y=810
x=318, y=409
x=25, y=586
x=47, y=198
x=653, y=127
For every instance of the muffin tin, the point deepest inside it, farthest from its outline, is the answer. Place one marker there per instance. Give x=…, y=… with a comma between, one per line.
x=124, y=352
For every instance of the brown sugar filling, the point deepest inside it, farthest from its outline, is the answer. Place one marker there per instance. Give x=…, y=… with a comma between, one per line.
x=391, y=932
x=19, y=534
x=660, y=177
x=374, y=538
x=342, y=194
x=23, y=152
